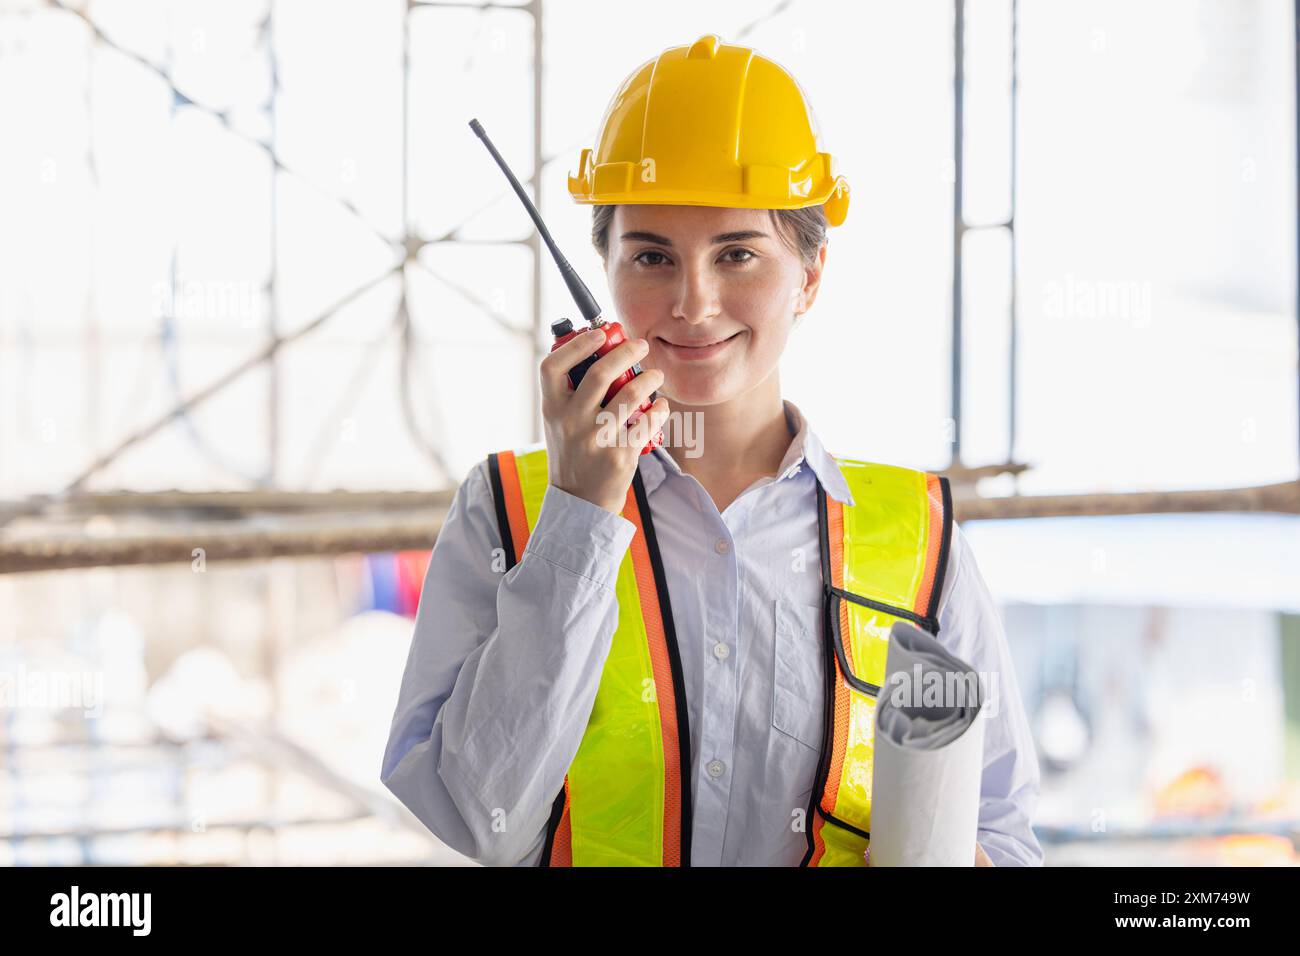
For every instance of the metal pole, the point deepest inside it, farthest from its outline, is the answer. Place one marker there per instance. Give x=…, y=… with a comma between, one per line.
x=535, y=242
x=1012, y=371
x=272, y=318
x=958, y=225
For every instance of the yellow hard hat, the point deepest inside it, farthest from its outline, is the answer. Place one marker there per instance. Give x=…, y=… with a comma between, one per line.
x=711, y=124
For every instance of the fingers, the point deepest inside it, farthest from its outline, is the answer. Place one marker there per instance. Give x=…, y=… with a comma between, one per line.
x=647, y=426
x=556, y=365
x=607, y=368
x=630, y=397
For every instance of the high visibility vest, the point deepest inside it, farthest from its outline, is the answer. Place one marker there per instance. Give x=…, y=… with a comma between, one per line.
x=626, y=799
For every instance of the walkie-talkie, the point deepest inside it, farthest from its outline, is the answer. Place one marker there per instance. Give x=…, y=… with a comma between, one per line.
x=563, y=329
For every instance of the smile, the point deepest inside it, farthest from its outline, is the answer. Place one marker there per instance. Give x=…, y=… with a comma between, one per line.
x=694, y=352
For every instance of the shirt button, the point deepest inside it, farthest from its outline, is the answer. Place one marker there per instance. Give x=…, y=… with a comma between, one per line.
x=721, y=651
x=721, y=546
x=716, y=768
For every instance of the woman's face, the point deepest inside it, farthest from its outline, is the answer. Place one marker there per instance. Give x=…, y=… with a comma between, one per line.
x=713, y=290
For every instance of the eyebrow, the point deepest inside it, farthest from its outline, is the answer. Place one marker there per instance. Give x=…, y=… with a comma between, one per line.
x=718, y=240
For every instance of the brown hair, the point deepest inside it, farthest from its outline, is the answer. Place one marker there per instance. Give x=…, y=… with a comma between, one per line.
x=802, y=230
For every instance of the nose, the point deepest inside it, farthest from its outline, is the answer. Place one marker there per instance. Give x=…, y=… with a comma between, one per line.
x=697, y=295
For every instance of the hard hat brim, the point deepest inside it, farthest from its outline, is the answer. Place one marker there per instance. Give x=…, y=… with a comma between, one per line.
x=836, y=200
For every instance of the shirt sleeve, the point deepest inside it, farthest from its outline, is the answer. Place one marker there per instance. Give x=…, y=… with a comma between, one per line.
x=503, y=670
x=970, y=627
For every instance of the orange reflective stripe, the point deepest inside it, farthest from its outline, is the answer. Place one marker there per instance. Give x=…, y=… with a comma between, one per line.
x=819, y=845
x=933, y=540
x=562, y=845
x=840, y=726
x=514, y=496
x=652, y=615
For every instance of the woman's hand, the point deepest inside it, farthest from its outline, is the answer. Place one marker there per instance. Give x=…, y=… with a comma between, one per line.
x=580, y=458
x=981, y=858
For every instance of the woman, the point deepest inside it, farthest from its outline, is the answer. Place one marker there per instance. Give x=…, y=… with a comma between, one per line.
x=672, y=658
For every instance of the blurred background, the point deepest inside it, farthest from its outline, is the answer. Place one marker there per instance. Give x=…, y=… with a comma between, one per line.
x=265, y=300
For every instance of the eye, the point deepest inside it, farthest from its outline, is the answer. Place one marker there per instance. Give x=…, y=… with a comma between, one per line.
x=747, y=254
x=649, y=252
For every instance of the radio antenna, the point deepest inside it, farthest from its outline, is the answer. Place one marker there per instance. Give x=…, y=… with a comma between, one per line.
x=577, y=288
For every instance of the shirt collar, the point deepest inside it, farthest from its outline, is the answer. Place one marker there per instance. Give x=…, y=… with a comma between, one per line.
x=805, y=446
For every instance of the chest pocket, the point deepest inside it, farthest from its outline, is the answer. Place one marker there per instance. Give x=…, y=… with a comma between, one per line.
x=798, y=678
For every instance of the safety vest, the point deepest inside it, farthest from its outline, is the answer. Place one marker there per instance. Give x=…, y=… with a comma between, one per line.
x=626, y=799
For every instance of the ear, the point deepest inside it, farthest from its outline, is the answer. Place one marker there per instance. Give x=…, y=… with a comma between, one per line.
x=812, y=280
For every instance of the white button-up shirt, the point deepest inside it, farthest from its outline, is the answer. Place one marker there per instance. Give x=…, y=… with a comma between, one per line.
x=504, y=667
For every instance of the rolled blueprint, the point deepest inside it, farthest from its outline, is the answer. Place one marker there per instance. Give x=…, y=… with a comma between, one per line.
x=929, y=749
